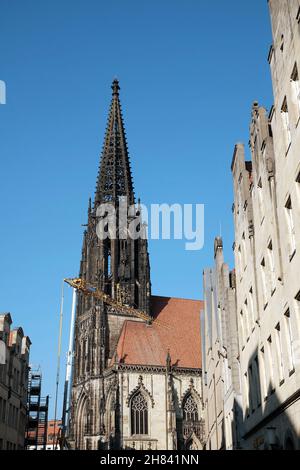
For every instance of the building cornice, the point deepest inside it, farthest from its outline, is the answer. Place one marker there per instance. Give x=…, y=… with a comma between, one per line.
x=157, y=369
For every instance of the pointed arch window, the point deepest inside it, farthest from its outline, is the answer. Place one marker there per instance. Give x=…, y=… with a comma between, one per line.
x=190, y=409
x=109, y=264
x=139, y=414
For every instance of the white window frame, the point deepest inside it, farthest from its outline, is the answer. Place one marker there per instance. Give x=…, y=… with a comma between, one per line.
x=270, y=361
x=271, y=263
x=260, y=200
x=262, y=370
x=296, y=88
x=264, y=280
x=251, y=307
x=289, y=339
x=290, y=225
x=286, y=122
x=279, y=353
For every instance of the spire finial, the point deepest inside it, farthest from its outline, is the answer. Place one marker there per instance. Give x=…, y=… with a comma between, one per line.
x=112, y=183
x=115, y=86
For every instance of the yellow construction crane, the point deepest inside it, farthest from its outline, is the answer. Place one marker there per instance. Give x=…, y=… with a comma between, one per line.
x=88, y=289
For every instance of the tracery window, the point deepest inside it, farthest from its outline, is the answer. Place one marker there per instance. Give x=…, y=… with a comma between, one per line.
x=109, y=264
x=190, y=409
x=139, y=414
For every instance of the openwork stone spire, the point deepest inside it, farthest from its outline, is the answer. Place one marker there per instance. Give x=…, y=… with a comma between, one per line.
x=118, y=265
x=114, y=177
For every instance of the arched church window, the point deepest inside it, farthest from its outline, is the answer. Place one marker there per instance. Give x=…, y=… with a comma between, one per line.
x=190, y=409
x=139, y=414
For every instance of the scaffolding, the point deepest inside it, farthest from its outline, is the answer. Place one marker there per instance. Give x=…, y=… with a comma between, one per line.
x=37, y=414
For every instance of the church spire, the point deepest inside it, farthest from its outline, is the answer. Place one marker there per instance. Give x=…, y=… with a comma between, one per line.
x=114, y=177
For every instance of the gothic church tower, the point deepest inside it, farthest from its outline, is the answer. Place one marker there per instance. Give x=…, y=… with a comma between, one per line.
x=119, y=267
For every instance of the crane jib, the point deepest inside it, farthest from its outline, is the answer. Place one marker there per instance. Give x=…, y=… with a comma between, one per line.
x=82, y=286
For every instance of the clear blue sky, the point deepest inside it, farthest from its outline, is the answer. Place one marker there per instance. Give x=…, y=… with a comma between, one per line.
x=189, y=71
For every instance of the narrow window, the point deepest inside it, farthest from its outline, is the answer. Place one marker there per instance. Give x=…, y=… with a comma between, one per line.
x=297, y=311
x=289, y=340
x=83, y=356
x=296, y=89
x=279, y=353
x=228, y=376
x=257, y=380
x=246, y=386
x=290, y=226
x=251, y=307
x=286, y=122
x=240, y=259
x=263, y=372
x=260, y=200
x=255, y=151
x=270, y=363
x=263, y=280
x=244, y=251
x=109, y=264
x=252, y=390
x=243, y=327
x=247, y=319
x=282, y=43
x=271, y=263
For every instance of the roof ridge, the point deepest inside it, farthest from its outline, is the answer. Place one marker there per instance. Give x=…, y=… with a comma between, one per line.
x=177, y=298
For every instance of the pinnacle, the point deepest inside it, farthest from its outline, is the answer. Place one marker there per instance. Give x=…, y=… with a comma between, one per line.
x=115, y=87
x=111, y=182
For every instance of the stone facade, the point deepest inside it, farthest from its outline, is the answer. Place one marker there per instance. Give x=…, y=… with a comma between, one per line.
x=165, y=393
x=13, y=384
x=220, y=366
x=267, y=221
x=266, y=214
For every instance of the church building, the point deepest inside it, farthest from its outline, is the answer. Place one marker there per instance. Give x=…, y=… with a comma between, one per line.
x=136, y=384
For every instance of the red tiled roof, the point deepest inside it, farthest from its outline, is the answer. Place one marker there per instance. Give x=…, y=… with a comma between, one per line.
x=144, y=344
